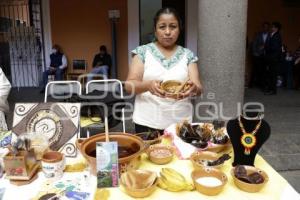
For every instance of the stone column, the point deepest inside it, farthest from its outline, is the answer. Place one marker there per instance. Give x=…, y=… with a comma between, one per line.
x=222, y=28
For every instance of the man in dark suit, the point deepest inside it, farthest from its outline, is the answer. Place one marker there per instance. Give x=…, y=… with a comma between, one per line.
x=258, y=53
x=273, y=55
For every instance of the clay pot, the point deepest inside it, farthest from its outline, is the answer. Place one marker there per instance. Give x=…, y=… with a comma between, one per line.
x=53, y=164
x=87, y=148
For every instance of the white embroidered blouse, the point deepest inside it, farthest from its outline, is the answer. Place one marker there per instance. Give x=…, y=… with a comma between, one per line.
x=4, y=91
x=151, y=110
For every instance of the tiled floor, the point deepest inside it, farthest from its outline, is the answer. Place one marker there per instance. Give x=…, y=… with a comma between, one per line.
x=282, y=112
x=282, y=150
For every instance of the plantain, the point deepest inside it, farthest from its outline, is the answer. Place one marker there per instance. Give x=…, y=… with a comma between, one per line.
x=173, y=184
x=172, y=180
x=174, y=173
x=161, y=184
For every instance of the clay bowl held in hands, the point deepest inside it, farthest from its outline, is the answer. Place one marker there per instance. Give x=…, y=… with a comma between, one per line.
x=173, y=87
x=209, y=181
x=250, y=187
x=160, y=154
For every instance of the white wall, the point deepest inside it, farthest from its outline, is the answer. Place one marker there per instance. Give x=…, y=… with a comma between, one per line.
x=191, y=28
x=46, y=30
x=133, y=26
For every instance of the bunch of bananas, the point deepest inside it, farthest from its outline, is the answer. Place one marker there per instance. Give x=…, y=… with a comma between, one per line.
x=173, y=181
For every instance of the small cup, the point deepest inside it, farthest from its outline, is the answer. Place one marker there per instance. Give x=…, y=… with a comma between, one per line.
x=53, y=164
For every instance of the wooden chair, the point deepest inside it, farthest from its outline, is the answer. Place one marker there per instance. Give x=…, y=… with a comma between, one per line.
x=79, y=67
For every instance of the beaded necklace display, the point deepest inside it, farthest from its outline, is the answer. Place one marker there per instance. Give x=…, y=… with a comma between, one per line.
x=248, y=140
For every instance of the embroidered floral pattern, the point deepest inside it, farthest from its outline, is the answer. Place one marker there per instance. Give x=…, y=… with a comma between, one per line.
x=191, y=57
x=141, y=52
x=166, y=63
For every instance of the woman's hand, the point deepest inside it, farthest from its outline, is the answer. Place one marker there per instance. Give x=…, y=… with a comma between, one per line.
x=193, y=90
x=154, y=88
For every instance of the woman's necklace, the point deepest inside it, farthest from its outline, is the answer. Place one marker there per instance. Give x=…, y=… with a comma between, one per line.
x=248, y=140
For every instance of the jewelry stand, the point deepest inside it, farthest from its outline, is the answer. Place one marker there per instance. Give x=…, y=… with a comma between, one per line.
x=241, y=156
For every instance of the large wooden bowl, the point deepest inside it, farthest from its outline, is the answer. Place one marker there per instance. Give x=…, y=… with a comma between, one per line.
x=87, y=148
x=209, y=172
x=248, y=187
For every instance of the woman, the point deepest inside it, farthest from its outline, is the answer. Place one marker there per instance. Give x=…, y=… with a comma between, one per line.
x=156, y=62
x=4, y=92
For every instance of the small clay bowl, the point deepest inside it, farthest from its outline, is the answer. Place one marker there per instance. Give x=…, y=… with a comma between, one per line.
x=209, y=172
x=155, y=154
x=141, y=192
x=171, y=88
x=204, y=155
x=250, y=187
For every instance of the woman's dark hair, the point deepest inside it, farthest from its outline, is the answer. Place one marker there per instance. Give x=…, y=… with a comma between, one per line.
x=167, y=10
x=103, y=48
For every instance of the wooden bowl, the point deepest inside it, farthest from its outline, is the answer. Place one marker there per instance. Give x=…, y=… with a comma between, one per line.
x=139, y=192
x=204, y=155
x=160, y=160
x=209, y=172
x=248, y=187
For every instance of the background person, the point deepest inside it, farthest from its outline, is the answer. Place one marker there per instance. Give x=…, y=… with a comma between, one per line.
x=296, y=62
x=101, y=63
x=58, y=65
x=156, y=62
x=258, y=53
x=273, y=56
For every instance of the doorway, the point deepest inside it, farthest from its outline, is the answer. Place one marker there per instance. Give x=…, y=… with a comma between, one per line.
x=21, y=42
